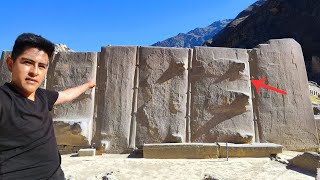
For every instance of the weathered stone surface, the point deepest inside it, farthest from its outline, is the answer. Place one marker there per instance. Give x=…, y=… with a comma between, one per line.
x=69, y=134
x=5, y=74
x=66, y=70
x=162, y=95
x=283, y=119
x=115, y=82
x=249, y=150
x=180, y=151
x=309, y=161
x=221, y=106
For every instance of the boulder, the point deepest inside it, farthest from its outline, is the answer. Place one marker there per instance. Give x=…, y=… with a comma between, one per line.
x=309, y=161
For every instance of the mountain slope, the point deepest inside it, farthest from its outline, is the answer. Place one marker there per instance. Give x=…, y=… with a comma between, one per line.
x=240, y=17
x=298, y=19
x=195, y=37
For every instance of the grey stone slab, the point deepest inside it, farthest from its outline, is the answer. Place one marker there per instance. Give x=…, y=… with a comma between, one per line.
x=181, y=151
x=5, y=74
x=162, y=97
x=115, y=82
x=70, y=69
x=221, y=105
x=283, y=119
x=249, y=150
x=86, y=152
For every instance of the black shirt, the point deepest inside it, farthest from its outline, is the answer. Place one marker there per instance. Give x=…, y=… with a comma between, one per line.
x=28, y=148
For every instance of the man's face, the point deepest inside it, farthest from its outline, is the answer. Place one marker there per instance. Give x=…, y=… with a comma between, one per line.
x=28, y=71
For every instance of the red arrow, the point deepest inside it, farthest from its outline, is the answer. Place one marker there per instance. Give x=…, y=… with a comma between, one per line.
x=258, y=83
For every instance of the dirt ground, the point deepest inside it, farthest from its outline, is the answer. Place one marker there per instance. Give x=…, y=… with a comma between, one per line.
x=120, y=167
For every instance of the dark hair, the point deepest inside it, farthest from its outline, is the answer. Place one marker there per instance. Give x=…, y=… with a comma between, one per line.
x=29, y=40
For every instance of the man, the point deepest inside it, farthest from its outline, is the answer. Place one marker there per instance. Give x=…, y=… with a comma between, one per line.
x=28, y=148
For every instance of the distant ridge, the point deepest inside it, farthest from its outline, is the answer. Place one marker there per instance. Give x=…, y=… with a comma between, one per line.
x=195, y=37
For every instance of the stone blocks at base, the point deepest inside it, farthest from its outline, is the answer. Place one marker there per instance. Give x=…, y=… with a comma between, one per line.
x=87, y=152
x=180, y=151
x=208, y=150
x=249, y=150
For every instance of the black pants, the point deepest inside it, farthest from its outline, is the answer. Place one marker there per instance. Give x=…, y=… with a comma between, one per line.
x=58, y=175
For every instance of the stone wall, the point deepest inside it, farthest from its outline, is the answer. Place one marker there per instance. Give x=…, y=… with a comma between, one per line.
x=115, y=82
x=73, y=121
x=283, y=119
x=221, y=105
x=160, y=95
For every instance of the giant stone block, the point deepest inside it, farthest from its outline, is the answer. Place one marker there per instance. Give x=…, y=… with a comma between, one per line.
x=221, y=105
x=283, y=119
x=5, y=74
x=66, y=70
x=115, y=82
x=162, y=97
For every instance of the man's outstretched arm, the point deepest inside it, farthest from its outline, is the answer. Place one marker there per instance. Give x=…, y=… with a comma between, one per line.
x=72, y=93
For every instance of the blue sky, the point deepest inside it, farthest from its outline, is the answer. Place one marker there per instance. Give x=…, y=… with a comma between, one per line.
x=88, y=25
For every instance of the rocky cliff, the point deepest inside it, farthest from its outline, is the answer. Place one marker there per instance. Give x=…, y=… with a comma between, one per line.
x=274, y=19
x=195, y=37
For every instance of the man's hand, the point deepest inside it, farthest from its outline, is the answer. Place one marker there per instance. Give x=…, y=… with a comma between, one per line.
x=91, y=84
x=72, y=93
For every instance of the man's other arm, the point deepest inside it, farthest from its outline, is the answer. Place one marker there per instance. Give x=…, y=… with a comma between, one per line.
x=72, y=93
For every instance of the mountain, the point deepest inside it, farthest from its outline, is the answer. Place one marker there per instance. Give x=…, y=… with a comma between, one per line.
x=240, y=17
x=195, y=37
x=276, y=19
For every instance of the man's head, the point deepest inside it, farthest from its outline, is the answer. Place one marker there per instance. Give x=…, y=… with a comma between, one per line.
x=27, y=40
x=29, y=62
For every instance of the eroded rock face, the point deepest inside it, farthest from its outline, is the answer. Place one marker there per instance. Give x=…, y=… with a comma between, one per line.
x=275, y=19
x=221, y=108
x=69, y=134
x=283, y=119
x=66, y=70
x=115, y=82
x=162, y=95
x=5, y=74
